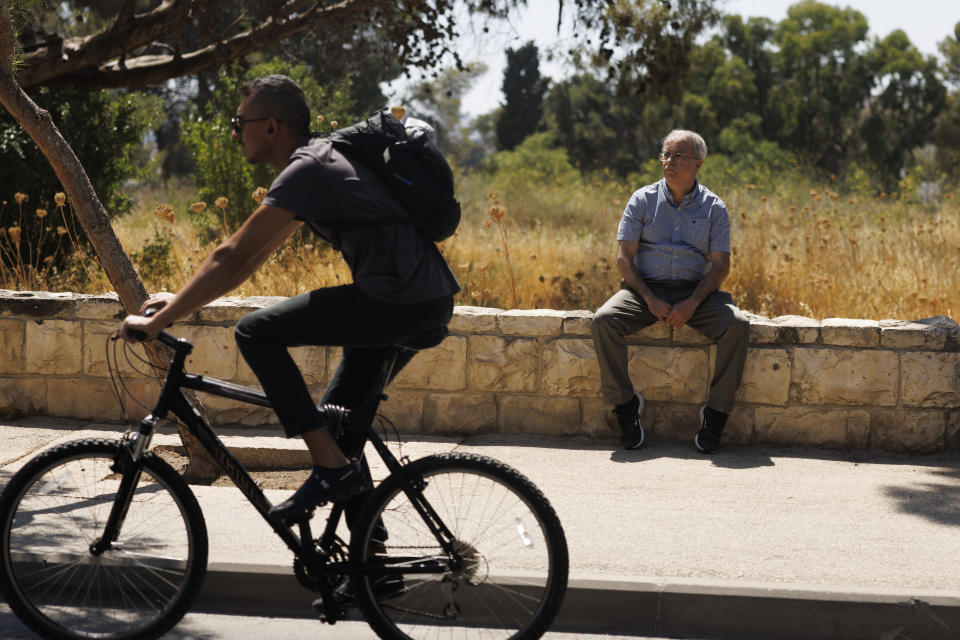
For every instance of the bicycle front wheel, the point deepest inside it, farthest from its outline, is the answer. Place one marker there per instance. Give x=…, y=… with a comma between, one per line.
x=504, y=574
x=54, y=510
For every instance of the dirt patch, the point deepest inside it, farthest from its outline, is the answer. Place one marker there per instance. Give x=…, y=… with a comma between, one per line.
x=282, y=479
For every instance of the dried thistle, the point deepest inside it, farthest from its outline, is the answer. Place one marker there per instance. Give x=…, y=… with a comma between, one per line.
x=198, y=207
x=14, y=233
x=164, y=212
x=60, y=198
x=320, y=119
x=41, y=213
x=259, y=194
x=221, y=202
x=20, y=197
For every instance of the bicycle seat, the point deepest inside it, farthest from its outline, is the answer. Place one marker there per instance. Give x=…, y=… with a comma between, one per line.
x=431, y=338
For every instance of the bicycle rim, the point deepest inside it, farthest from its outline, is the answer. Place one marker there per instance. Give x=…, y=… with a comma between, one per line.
x=140, y=587
x=514, y=570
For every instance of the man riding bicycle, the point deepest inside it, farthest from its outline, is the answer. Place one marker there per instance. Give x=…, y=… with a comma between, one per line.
x=401, y=286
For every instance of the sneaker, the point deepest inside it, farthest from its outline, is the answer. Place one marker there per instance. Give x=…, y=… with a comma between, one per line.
x=712, y=422
x=384, y=588
x=323, y=485
x=628, y=417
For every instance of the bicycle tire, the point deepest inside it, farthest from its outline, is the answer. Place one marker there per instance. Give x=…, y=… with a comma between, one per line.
x=514, y=575
x=55, y=507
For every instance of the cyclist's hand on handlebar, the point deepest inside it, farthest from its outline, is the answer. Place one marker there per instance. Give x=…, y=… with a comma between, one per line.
x=139, y=328
x=156, y=302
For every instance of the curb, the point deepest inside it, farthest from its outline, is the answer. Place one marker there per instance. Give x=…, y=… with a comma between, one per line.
x=641, y=606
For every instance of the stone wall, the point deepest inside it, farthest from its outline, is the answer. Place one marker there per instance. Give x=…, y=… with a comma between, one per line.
x=837, y=383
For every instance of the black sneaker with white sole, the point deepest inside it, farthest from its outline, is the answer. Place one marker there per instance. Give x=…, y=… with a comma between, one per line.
x=323, y=485
x=628, y=417
x=712, y=422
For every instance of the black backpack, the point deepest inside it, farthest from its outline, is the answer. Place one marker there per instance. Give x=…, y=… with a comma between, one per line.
x=410, y=165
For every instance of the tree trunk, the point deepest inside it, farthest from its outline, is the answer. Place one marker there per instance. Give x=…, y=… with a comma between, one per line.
x=93, y=217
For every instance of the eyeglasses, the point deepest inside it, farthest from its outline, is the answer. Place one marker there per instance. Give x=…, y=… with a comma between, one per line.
x=677, y=157
x=239, y=121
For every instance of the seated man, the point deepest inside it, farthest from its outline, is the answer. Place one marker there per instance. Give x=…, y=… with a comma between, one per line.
x=674, y=254
x=402, y=287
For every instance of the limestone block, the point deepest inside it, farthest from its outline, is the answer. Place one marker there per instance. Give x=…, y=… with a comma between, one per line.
x=22, y=396
x=457, y=413
x=503, y=364
x=848, y=332
x=911, y=335
x=229, y=310
x=474, y=320
x=36, y=305
x=224, y=411
x=812, y=426
x=312, y=362
x=845, y=376
x=531, y=322
x=766, y=377
x=12, y=333
x=539, y=415
x=577, y=323
x=952, y=431
x=214, y=351
x=784, y=330
x=680, y=423
x=596, y=419
x=931, y=379
x=689, y=335
x=441, y=367
x=570, y=368
x=334, y=355
x=404, y=409
x=669, y=373
x=656, y=333
x=53, y=347
x=96, y=342
x=87, y=399
x=909, y=431
x=104, y=307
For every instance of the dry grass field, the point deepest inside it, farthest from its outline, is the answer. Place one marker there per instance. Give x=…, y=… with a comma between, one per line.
x=798, y=248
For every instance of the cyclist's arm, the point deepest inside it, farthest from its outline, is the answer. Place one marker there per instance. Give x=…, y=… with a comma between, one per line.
x=227, y=267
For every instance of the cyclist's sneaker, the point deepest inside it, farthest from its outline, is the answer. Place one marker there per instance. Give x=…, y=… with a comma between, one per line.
x=384, y=588
x=712, y=422
x=628, y=417
x=323, y=485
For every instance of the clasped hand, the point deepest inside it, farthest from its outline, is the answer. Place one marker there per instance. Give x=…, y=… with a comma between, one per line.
x=136, y=328
x=675, y=315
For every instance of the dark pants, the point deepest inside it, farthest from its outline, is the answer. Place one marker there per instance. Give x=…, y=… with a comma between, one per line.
x=336, y=316
x=716, y=317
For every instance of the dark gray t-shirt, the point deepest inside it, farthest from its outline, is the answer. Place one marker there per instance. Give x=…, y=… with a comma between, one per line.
x=389, y=262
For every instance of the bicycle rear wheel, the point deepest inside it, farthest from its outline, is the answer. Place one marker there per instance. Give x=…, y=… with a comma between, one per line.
x=55, y=508
x=506, y=577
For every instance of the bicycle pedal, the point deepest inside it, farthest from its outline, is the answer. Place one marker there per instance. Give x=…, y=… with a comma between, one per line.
x=327, y=613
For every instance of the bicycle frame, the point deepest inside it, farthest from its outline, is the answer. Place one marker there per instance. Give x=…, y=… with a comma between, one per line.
x=172, y=400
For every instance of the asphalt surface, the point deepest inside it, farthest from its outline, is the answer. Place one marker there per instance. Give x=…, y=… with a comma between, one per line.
x=752, y=542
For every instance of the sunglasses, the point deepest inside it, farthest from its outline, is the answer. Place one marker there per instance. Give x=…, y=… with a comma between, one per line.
x=239, y=121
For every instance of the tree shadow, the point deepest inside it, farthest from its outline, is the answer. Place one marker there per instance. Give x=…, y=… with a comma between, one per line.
x=937, y=502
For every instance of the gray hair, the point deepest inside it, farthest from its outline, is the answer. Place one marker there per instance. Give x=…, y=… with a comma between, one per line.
x=281, y=98
x=694, y=139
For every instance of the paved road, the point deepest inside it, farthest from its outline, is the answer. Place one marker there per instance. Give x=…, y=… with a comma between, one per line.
x=205, y=626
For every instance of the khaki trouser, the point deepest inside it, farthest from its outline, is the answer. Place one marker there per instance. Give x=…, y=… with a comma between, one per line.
x=716, y=317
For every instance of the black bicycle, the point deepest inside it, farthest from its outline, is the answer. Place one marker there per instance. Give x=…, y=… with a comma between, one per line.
x=104, y=539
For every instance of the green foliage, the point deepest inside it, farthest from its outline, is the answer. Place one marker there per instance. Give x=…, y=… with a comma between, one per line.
x=534, y=162
x=105, y=130
x=438, y=102
x=523, y=90
x=220, y=168
x=155, y=262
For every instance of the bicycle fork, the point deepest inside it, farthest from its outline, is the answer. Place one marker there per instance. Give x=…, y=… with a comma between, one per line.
x=127, y=465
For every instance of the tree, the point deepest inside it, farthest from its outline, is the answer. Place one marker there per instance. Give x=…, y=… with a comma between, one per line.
x=946, y=133
x=905, y=110
x=438, y=102
x=523, y=91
